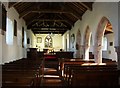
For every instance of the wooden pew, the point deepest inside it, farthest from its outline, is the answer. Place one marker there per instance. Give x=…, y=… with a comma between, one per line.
x=63, y=63
x=21, y=73
x=95, y=78
x=88, y=66
x=66, y=64
x=17, y=82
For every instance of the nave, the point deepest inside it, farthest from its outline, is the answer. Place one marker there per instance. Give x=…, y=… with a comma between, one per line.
x=31, y=74
x=63, y=72
x=79, y=39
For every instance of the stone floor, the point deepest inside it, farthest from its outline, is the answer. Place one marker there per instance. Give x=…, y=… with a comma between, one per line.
x=51, y=76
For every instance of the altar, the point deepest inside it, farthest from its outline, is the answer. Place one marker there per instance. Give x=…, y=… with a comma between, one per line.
x=50, y=55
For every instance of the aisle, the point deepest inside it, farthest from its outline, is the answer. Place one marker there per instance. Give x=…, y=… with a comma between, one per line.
x=51, y=76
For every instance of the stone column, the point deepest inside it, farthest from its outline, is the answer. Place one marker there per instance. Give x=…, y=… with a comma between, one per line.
x=86, y=52
x=98, y=54
x=82, y=51
x=117, y=49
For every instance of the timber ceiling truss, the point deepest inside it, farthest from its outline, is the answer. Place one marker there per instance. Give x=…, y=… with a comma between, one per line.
x=47, y=17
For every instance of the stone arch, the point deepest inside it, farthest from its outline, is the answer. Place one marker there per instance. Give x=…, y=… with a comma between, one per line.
x=98, y=39
x=87, y=38
x=78, y=44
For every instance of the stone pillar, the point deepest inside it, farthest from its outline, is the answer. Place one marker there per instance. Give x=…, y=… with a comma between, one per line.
x=117, y=49
x=82, y=51
x=98, y=54
x=86, y=52
x=77, y=53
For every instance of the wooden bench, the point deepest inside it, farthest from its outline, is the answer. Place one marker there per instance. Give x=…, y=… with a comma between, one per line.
x=70, y=68
x=22, y=73
x=94, y=78
x=63, y=63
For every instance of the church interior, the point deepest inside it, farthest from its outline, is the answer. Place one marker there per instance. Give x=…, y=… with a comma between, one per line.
x=59, y=44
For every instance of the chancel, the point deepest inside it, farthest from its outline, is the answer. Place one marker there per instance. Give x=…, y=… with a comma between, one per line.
x=59, y=44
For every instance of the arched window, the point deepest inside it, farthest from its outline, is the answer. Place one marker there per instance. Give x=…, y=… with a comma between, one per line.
x=104, y=44
x=48, y=41
x=9, y=32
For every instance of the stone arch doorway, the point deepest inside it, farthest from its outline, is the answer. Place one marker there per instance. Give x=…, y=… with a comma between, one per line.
x=87, y=39
x=101, y=29
x=78, y=44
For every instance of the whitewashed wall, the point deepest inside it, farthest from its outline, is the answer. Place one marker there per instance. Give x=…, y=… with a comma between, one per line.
x=110, y=53
x=92, y=19
x=66, y=41
x=32, y=38
x=0, y=48
x=57, y=41
x=14, y=51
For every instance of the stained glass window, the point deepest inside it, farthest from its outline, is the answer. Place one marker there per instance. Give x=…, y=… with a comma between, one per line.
x=48, y=41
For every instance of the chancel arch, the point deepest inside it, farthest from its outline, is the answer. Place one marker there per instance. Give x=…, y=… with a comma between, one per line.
x=87, y=38
x=104, y=29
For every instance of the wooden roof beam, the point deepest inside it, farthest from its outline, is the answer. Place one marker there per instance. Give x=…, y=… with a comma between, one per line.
x=37, y=27
x=12, y=4
x=87, y=5
x=71, y=22
x=48, y=32
x=26, y=12
x=73, y=12
x=78, y=7
x=43, y=20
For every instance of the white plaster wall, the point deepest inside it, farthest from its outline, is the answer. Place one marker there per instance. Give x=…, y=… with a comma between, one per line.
x=110, y=53
x=0, y=48
x=0, y=36
x=100, y=9
x=32, y=38
x=66, y=39
x=73, y=31
x=57, y=41
x=92, y=19
x=14, y=51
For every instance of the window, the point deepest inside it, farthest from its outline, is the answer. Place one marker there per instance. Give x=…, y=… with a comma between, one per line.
x=104, y=44
x=39, y=39
x=9, y=32
x=2, y=8
x=48, y=41
x=15, y=28
x=23, y=37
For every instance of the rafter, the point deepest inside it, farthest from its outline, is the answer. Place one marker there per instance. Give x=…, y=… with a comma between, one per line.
x=87, y=5
x=49, y=32
x=60, y=16
x=74, y=13
x=37, y=27
x=52, y=29
x=69, y=21
x=12, y=4
x=46, y=31
x=28, y=22
x=81, y=9
x=23, y=14
x=50, y=20
x=68, y=11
